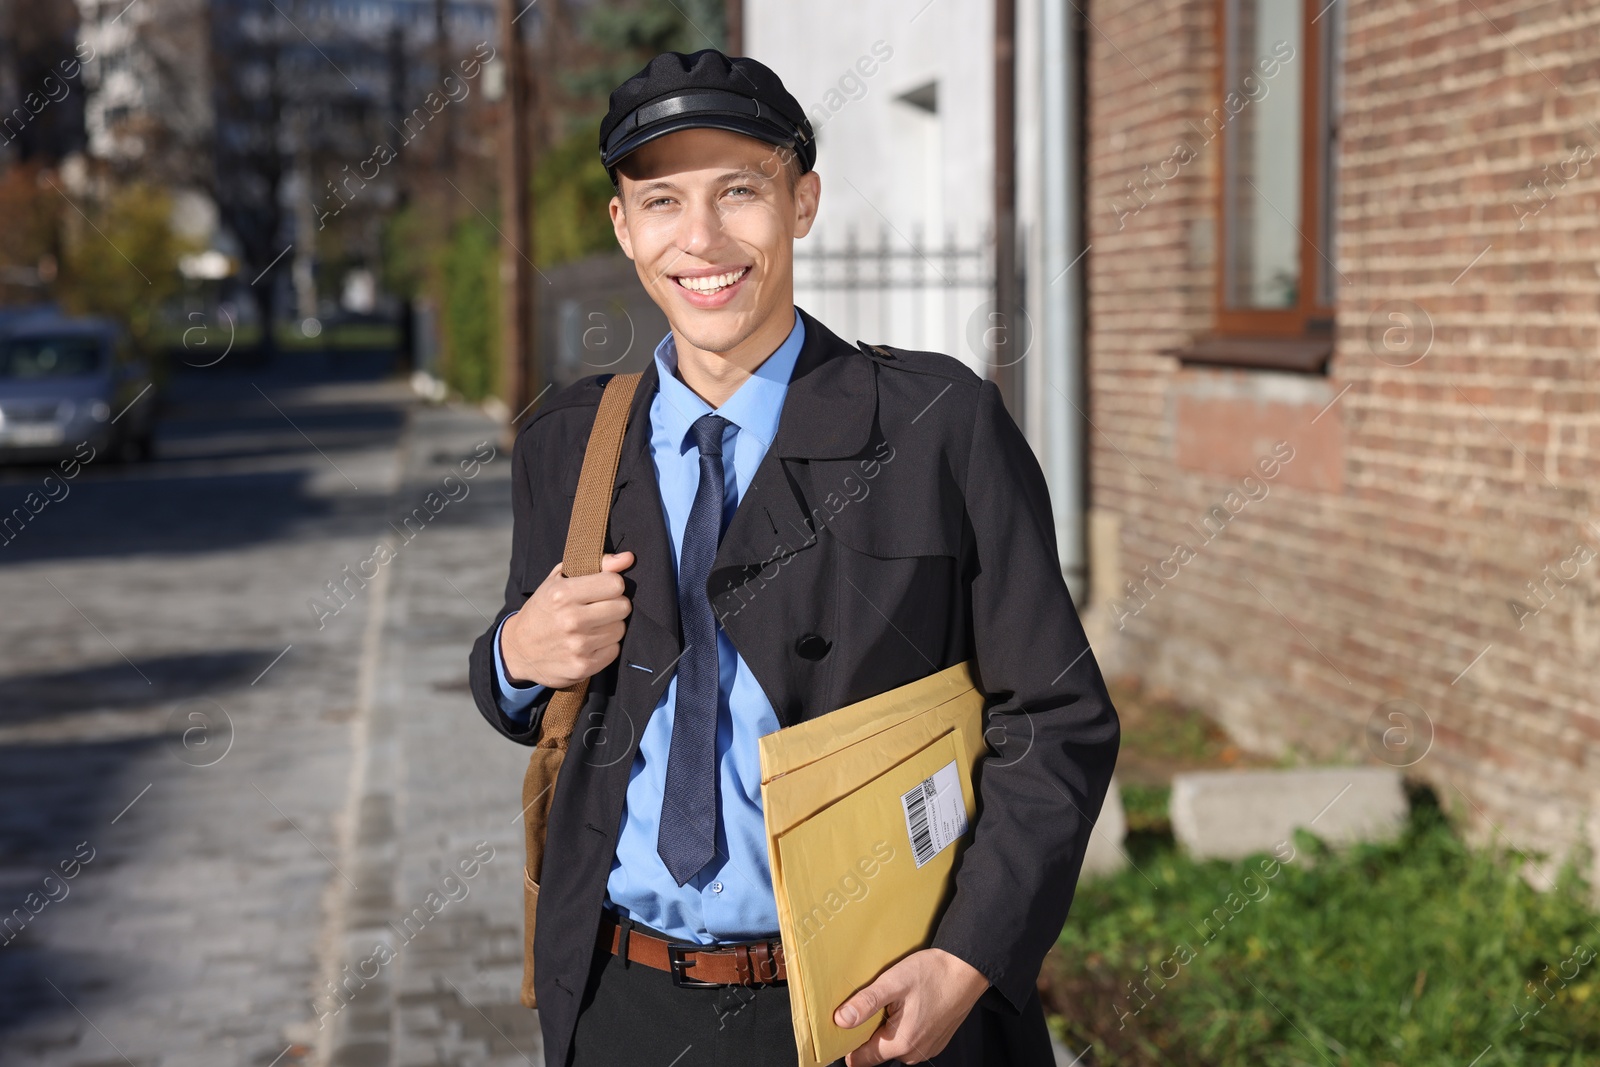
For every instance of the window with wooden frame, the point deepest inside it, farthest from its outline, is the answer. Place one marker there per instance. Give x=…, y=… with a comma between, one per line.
x=1278, y=115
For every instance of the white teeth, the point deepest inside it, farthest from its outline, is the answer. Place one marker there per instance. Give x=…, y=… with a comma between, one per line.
x=713, y=282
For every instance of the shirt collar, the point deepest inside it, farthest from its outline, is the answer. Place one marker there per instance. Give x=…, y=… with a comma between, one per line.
x=754, y=407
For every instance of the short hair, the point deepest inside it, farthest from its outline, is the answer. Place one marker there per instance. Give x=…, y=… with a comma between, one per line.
x=791, y=169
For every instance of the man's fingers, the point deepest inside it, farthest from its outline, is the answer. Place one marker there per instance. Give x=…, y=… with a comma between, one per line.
x=855, y=1011
x=597, y=631
x=893, y=991
x=890, y=1041
x=589, y=614
x=590, y=588
x=880, y=1046
x=610, y=563
x=871, y=1052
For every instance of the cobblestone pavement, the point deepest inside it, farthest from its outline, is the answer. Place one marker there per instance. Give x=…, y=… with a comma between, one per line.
x=211, y=793
x=441, y=792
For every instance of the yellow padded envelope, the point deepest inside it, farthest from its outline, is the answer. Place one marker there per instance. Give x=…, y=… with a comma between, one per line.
x=867, y=811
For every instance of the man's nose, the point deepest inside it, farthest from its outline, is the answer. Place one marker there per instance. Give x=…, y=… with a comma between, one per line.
x=701, y=227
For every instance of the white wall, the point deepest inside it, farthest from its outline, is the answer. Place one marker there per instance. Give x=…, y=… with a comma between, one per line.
x=882, y=160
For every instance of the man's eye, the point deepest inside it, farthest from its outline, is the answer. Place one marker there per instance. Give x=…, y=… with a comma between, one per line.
x=657, y=200
x=741, y=189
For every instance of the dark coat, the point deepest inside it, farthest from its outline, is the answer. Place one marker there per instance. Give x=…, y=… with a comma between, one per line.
x=898, y=524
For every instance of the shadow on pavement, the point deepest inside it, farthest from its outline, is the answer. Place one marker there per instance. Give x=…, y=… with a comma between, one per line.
x=236, y=453
x=74, y=792
x=112, y=685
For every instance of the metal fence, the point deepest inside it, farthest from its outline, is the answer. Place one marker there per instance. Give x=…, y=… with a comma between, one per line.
x=898, y=288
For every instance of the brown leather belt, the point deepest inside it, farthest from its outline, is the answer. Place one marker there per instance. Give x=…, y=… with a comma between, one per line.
x=758, y=962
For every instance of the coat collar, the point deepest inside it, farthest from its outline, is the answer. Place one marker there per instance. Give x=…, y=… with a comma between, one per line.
x=828, y=413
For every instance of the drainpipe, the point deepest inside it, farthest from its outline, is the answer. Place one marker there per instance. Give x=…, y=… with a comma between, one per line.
x=1006, y=370
x=1061, y=313
x=735, y=17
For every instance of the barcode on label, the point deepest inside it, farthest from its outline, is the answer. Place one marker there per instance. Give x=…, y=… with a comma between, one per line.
x=916, y=802
x=936, y=814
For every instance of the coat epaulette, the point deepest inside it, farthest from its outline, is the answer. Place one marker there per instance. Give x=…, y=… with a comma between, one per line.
x=936, y=363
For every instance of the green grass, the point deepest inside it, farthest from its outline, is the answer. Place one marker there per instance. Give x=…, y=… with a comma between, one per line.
x=1160, y=728
x=1419, y=952
x=1146, y=808
x=344, y=335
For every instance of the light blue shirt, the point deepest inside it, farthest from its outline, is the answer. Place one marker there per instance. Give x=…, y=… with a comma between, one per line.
x=731, y=898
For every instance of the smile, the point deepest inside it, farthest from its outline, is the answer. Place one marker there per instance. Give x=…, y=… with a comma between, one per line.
x=713, y=283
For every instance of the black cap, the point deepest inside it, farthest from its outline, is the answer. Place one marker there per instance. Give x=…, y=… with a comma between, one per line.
x=706, y=88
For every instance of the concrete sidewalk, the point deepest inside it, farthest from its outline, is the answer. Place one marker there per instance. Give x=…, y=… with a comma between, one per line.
x=427, y=955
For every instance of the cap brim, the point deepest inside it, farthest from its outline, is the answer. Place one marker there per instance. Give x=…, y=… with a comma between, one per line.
x=750, y=127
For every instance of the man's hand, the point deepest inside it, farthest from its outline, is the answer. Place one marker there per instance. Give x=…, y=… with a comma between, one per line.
x=570, y=628
x=927, y=995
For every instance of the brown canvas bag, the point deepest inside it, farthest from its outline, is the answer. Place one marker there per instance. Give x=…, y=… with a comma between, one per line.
x=586, y=537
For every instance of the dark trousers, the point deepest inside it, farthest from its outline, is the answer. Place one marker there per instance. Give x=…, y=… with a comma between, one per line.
x=633, y=1014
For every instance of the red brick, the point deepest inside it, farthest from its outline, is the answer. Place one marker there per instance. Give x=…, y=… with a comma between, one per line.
x=1406, y=521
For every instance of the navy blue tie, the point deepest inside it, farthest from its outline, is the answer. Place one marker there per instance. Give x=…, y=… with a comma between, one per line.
x=687, y=839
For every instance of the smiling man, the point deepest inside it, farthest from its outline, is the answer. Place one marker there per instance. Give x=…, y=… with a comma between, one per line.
x=737, y=597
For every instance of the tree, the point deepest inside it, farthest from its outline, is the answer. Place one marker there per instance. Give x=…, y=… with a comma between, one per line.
x=125, y=266
x=36, y=48
x=249, y=140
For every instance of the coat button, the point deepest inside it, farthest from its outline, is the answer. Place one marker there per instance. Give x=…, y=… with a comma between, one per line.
x=812, y=646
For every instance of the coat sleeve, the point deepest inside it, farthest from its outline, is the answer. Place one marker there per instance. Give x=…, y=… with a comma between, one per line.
x=530, y=536
x=1050, y=726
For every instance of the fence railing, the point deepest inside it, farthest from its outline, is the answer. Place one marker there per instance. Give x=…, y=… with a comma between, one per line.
x=896, y=286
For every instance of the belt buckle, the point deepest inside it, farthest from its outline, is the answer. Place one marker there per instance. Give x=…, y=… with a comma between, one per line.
x=676, y=964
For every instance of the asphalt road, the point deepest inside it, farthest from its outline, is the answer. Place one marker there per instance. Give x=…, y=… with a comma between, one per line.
x=215, y=794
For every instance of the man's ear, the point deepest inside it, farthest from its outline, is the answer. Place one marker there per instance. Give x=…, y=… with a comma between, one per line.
x=619, y=226
x=807, y=194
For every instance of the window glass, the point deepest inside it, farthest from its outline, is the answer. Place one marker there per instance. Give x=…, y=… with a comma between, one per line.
x=49, y=357
x=1263, y=170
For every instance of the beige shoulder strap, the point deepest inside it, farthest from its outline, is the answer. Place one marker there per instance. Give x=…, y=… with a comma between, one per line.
x=586, y=533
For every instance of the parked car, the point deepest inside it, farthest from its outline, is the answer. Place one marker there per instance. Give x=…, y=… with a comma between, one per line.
x=10, y=316
x=66, y=380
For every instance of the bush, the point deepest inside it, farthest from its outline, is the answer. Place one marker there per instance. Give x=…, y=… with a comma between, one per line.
x=1417, y=952
x=471, y=277
x=109, y=250
x=571, y=198
x=122, y=261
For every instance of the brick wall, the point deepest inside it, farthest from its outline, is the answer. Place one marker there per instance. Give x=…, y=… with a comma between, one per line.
x=1384, y=564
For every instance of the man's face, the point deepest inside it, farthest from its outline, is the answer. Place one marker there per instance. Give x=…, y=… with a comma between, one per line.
x=707, y=207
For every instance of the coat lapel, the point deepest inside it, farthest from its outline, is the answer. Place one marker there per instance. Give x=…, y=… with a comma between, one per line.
x=828, y=413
